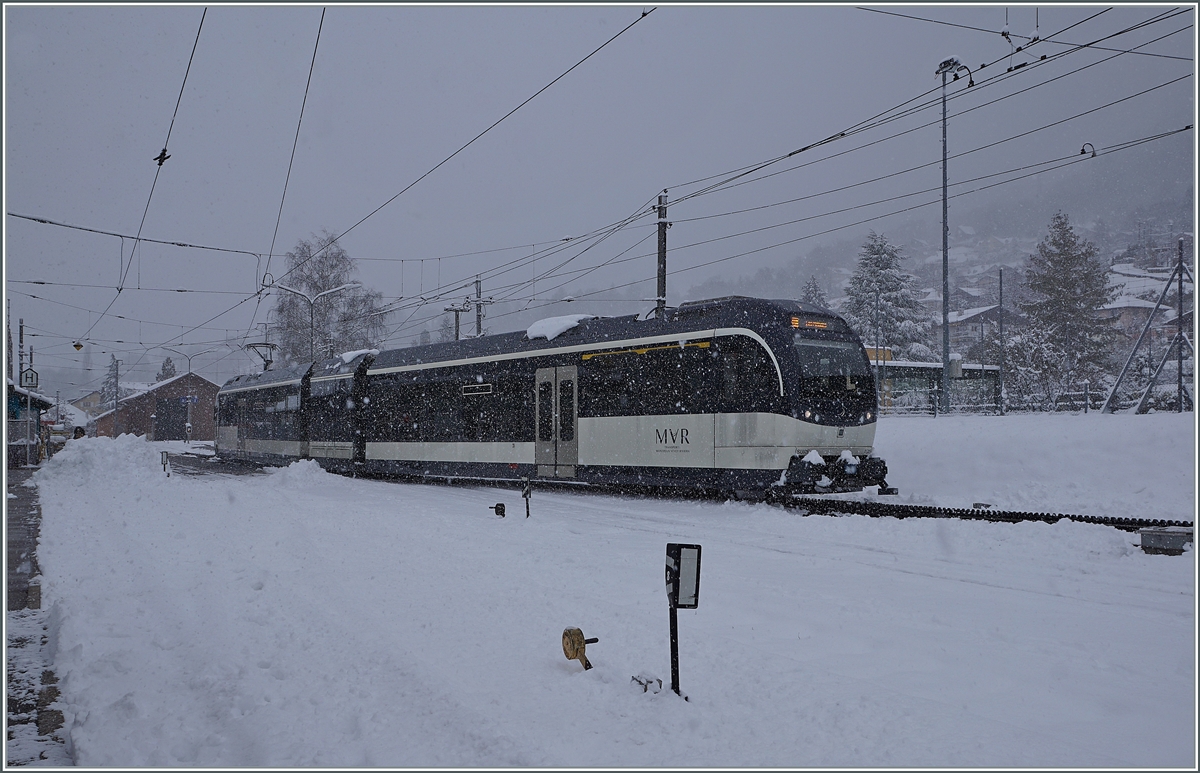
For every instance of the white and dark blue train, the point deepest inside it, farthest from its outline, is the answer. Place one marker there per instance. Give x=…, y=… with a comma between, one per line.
x=729, y=396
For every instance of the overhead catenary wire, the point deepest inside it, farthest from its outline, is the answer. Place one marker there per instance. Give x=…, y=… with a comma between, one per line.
x=1039, y=166
x=291, y=159
x=923, y=126
x=936, y=162
x=478, y=136
x=983, y=147
x=162, y=157
x=887, y=117
x=138, y=289
x=1026, y=37
x=733, y=185
x=539, y=275
x=1073, y=159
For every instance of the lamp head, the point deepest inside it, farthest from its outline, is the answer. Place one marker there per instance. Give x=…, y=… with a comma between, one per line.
x=949, y=65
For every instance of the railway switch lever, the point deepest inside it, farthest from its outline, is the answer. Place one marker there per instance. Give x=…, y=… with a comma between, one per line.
x=575, y=646
x=499, y=508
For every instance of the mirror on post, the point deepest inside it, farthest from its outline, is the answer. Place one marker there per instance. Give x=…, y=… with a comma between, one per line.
x=683, y=575
x=683, y=592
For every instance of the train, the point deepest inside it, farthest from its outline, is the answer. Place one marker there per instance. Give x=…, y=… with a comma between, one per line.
x=735, y=396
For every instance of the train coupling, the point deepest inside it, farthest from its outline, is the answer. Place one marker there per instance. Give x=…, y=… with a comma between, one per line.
x=822, y=475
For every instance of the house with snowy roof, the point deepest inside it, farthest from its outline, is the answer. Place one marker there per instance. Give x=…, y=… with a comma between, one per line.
x=969, y=326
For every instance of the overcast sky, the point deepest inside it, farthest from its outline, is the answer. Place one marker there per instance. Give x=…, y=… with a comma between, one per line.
x=686, y=93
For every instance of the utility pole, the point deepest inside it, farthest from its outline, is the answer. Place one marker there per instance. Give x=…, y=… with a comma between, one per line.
x=20, y=371
x=663, y=225
x=479, y=302
x=457, y=310
x=1179, y=325
x=878, y=381
x=117, y=397
x=947, y=67
x=478, y=306
x=1002, y=340
x=945, y=260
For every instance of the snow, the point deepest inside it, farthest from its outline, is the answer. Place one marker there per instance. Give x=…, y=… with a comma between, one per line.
x=552, y=327
x=812, y=457
x=1116, y=465
x=960, y=316
x=348, y=357
x=300, y=618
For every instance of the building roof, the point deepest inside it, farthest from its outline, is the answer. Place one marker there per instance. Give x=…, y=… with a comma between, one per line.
x=35, y=395
x=1130, y=302
x=152, y=387
x=963, y=316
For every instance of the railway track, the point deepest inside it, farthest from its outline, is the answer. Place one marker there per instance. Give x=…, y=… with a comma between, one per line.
x=814, y=505
x=820, y=506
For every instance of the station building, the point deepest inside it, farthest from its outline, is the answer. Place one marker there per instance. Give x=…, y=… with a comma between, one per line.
x=163, y=411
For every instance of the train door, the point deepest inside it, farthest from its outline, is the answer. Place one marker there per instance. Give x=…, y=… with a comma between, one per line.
x=556, y=438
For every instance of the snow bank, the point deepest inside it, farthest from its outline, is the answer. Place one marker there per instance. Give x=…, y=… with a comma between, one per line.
x=1117, y=465
x=552, y=327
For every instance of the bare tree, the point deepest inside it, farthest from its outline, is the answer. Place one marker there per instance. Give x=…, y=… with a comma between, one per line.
x=319, y=308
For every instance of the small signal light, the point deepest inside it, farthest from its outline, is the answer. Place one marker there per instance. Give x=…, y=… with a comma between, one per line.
x=795, y=322
x=815, y=323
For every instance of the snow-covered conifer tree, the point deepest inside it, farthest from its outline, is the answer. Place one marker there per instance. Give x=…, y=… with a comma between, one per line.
x=167, y=371
x=1067, y=288
x=108, y=389
x=814, y=294
x=882, y=305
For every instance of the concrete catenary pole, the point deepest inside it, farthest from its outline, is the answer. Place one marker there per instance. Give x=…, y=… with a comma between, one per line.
x=661, y=303
x=478, y=306
x=1001, y=396
x=1179, y=324
x=945, y=396
x=20, y=371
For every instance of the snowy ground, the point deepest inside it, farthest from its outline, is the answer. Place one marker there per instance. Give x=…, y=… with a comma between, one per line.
x=300, y=618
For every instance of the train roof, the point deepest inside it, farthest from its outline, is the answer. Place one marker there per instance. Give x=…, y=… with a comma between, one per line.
x=734, y=311
x=275, y=376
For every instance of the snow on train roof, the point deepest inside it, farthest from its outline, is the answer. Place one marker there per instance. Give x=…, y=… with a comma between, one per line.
x=552, y=327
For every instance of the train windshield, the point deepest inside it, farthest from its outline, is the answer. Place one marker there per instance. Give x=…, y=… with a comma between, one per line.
x=823, y=358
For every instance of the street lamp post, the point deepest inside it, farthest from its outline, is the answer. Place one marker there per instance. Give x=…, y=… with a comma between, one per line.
x=949, y=66
x=312, y=301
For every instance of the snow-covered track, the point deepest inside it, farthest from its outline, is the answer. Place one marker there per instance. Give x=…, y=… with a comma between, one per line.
x=821, y=506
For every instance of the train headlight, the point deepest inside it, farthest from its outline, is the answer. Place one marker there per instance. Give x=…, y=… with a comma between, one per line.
x=808, y=414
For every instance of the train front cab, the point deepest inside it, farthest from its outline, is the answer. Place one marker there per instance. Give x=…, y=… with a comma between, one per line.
x=261, y=419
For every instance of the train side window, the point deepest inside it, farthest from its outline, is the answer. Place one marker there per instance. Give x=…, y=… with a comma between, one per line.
x=566, y=403
x=546, y=411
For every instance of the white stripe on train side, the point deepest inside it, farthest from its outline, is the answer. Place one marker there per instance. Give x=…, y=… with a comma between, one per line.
x=734, y=441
